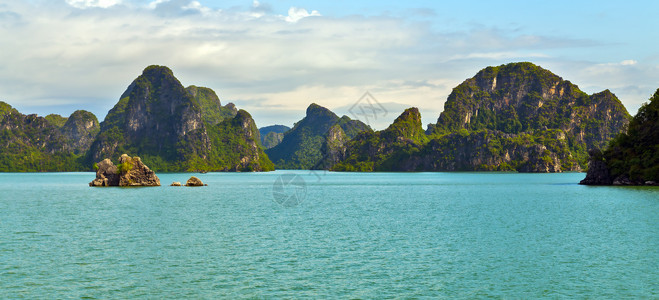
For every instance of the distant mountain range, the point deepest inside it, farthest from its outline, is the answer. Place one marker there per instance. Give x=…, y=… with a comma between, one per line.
x=514, y=117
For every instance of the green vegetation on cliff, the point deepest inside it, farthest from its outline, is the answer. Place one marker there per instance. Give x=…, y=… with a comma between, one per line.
x=635, y=153
x=212, y=110
x=56, y=120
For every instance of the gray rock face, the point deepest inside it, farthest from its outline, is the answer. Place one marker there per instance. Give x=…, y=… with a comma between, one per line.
x=598, y=172
x=129, y=172
x=80, y=130
x=106, y=175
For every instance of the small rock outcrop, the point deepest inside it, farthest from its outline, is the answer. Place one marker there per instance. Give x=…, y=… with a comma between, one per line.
x=130, y=172
x=194, y=181
x=175, y=183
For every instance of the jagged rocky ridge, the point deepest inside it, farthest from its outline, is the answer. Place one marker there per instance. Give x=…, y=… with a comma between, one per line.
x=29, y=143
x=317, y=141
x=632, y=158
x=513, y=117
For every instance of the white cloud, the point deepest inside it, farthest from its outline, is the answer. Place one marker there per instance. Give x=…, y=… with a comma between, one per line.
x=93, y=3
x=196, y=6
x=497, y=55
x=295, y=14
x=271, y=65
x=153, y=4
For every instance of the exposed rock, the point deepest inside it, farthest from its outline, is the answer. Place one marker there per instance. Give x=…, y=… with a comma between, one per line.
x=129, y=172
x=598, y=172
x=622, y=180
x=107, y=174
x=334, y=147
x=175, y=183
x=194, y=181
x=540, y=160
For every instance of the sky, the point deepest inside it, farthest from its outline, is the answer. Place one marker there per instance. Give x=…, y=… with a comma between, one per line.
x=275, y=57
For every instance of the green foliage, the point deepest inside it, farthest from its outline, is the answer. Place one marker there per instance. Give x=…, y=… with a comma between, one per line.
x=95, y=166
x=125, y=167
x=636, y=152
x=56, y=120
x=209, y=103
x=5, y=109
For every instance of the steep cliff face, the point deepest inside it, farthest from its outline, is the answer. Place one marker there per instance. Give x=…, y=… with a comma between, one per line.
x=173, y=128
x=304, y=146
x=333, y=148
x=491, y=150
x=385, y=150
x=522, y=97
x=80, y=129
x=632, y=158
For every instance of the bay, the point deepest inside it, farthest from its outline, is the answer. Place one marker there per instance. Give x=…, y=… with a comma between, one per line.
x=344, y=235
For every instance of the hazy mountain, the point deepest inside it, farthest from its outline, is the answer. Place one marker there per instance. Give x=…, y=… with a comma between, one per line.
x=306, y=145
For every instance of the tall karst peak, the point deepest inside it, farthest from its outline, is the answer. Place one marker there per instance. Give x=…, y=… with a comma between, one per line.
x=177, y=129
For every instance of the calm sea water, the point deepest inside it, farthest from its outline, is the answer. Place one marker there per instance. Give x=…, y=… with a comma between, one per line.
x=351, y=235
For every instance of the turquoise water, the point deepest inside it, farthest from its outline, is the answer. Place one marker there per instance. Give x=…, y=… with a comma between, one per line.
x=351, y=235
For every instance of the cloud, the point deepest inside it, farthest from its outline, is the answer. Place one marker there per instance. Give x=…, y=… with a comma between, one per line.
x=93, y=3
x=270, y=64
x=295, y=14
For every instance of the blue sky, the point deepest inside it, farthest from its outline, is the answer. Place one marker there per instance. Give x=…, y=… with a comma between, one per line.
x=274, y=58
